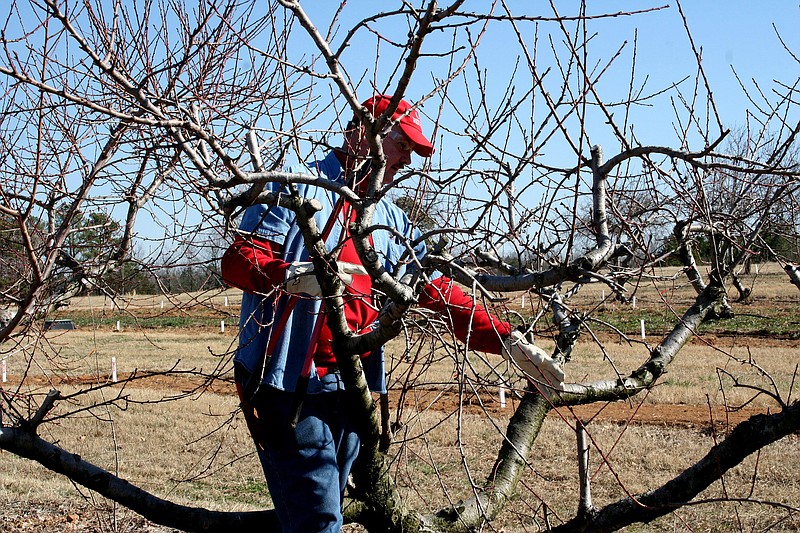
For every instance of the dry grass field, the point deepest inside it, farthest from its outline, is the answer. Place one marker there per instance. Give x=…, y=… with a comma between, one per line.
x=180, y=436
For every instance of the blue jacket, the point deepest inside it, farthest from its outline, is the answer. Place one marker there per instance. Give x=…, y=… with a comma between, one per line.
x=260, y=314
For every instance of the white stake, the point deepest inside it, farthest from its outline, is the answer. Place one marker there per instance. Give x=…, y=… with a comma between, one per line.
x=162, y=304
x=502, y=396
x=118, y=327
x=602, y=296
x=756, y=265
x=222, y=326
x=641, y=322
x=226, y=301
x=4, y=371
x=523, y=301
x=114, y=369
x=634, y=302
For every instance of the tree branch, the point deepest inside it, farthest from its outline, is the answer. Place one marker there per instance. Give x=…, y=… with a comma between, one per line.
x=25, y=443
x=745, y=439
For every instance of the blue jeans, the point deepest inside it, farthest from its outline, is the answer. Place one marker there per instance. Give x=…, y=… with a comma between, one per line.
x=306, y=467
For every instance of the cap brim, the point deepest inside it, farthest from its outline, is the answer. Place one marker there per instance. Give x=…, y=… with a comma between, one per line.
x=422, y=146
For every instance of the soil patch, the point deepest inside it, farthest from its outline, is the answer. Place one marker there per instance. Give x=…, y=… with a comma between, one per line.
x=702, y=417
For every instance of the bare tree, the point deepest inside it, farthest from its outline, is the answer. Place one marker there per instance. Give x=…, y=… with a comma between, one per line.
x=183, y=114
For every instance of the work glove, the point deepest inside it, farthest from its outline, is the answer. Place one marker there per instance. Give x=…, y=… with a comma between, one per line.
x=301, y=279
x=541, y=369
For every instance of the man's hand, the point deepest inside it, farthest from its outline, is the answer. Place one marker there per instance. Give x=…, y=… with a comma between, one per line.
x=301, y=278
x=540, y=368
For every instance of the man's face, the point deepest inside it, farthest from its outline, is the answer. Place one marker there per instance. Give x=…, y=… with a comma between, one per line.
x=397, y=148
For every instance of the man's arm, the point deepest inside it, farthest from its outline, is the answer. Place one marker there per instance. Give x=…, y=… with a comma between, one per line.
x=475, y=326
x=470, y=322
x=254, y=265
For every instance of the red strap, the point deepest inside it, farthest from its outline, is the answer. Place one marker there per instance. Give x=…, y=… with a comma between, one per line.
x=359, y=309
x=292, y=300
x=312, y=346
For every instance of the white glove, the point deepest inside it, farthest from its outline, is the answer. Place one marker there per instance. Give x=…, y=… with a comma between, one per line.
x=540, y=368
x=300, y=277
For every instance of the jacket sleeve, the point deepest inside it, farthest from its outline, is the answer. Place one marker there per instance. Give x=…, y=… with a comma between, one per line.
x=253, y=265
x=470, y=322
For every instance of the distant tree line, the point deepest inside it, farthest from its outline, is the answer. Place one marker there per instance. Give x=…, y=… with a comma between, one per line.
x=94, y=238
x=133, y=277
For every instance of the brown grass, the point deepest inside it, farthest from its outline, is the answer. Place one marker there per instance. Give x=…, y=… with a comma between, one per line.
x=195, y=449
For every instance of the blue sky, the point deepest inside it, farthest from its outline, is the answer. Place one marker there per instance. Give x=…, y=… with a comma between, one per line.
x=733, y=33
x=738, y=34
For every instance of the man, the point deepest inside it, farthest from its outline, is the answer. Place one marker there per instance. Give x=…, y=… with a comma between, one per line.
x=307, y=454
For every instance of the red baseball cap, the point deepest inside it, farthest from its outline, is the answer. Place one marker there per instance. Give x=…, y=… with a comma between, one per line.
x=410, y=123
